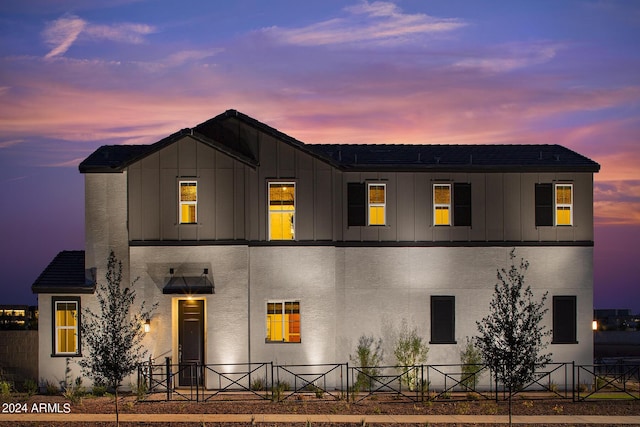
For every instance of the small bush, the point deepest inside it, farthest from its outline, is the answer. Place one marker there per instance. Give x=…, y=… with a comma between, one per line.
x=50, y=388
x=471, y=360
x=5, y=388
x=410, y=351
x=75, y=391
x=30, y=387
x=99, y=390
x=258, y=384
x=368, y=357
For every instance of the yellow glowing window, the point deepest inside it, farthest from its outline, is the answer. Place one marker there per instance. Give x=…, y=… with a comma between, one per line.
x=66, y=327
x=282, y=209
x=188, y=202
x=564, y=204
x=441, y=204
x=283, y=321
x=377, y=204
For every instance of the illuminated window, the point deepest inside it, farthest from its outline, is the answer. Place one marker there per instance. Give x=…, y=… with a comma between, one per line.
x=377, y=202
x=282, y=208
x=283, y=321
x=188, y=202
x=564, y=204
x=66, y=322
x=442, y=204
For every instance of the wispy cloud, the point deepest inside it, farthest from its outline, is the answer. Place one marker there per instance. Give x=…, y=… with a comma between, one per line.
x=62, y=33
x=510, y=57
x=10, y=143
x=366, y=22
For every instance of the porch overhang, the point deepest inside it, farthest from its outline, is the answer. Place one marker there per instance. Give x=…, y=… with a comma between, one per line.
x=188, y=285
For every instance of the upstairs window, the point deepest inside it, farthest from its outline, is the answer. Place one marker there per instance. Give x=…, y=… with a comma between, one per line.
x=66, y=326
x=442, y=204
x=283, y=321
x=377, y=204
x=356, y=204
x=564, y=204
x=554, y=204
x=188, y=202
x=282, y=208
x=462, y=204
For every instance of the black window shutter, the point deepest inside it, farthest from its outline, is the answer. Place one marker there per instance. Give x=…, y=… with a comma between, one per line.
x=443, y=320
x=462, y=204
x=564, y=320
x=544, y=205
x=356, y=204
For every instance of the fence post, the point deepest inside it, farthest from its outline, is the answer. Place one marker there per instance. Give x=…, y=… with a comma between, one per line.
x=341, y=385
x=167, y=363
x=150, y=378
x=573, y=380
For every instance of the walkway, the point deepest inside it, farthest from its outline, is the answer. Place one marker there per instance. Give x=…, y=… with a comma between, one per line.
x=325, y=418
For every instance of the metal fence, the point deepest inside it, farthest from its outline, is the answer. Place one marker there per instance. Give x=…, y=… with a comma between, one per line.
x=266, y=380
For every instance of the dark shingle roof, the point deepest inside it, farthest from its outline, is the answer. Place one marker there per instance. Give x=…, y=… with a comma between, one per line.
x=456, y=157
x=65, y=274
x=372, y=157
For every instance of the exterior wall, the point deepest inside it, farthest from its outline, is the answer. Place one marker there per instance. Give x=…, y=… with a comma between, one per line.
x=106, y=222
x=52, y=368
x=226, y=320
x=383, y=286
x=503, y=208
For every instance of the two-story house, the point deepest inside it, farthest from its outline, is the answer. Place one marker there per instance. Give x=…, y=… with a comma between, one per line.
x=258, y=247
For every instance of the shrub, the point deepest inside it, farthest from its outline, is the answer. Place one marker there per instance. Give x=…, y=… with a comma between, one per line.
x=368, y=357
x=74, y=391
x=471, y=360
x=410, y=351
x=258, y=384
x=5, y=388
x=30, y=387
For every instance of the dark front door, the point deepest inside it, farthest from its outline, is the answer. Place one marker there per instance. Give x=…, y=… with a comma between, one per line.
x=190, y=341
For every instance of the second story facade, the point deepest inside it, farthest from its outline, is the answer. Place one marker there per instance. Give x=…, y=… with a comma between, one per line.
x=234, y=179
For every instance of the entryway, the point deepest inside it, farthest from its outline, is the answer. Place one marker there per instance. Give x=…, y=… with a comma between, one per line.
x=190, y=341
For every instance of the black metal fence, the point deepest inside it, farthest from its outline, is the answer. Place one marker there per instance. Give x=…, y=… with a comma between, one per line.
x=266, y=380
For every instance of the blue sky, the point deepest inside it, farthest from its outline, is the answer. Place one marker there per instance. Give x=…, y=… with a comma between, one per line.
x=75, y=75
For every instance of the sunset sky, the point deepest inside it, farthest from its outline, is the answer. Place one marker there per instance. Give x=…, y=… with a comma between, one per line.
x=77, y=74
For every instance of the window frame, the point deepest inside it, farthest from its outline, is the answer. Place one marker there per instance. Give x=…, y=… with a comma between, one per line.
x=441, y=205
x=559, y=322
x=269, y=211
x=436, y=320
x=562, y=205
x=371, y=204
x=55, y=328
x=283, y=323
x=182, y=203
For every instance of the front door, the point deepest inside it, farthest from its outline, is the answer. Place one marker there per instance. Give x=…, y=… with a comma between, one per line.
x=190, y=341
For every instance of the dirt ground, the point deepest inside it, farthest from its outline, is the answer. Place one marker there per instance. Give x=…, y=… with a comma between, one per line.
x=309, y=404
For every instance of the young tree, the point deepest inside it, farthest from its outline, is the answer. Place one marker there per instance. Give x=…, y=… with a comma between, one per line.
x=410, y=351
x=113, y=336
x=511, y=337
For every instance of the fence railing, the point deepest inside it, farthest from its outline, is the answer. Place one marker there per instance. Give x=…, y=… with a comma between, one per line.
x=266, y=380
